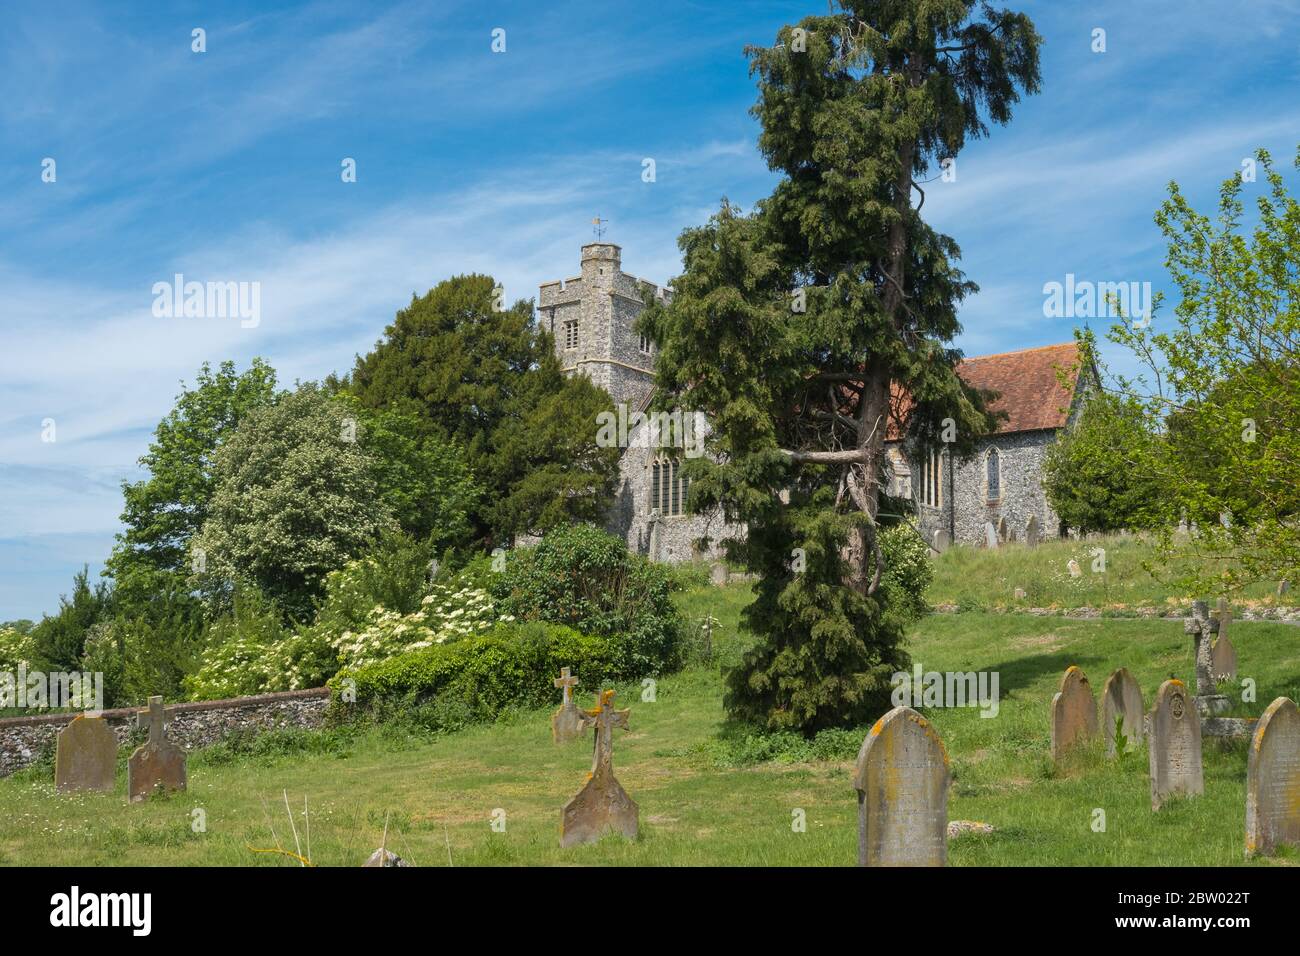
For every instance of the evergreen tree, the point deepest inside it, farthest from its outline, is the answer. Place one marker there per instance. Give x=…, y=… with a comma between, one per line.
x=487, y=378
x=798, y=326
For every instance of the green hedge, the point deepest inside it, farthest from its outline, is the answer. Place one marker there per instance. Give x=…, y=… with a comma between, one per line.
x=448, y=686
x=586, y=579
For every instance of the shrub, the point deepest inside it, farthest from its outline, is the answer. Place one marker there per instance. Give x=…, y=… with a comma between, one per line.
x=908, y=572
x=241, y=657
x=588, y=580
x=16, y=647
x=446, y=686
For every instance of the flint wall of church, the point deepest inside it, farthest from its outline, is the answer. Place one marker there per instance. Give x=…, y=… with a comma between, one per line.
x=965, y=505
x=629, y=517
x=1021, y=464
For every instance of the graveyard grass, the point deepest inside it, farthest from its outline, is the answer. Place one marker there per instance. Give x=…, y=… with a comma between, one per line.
x=703, y=798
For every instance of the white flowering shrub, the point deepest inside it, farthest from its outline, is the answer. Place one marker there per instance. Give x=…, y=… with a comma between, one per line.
x=15, y=648
x=447, y=613
x=251, y=653
x=908, y=571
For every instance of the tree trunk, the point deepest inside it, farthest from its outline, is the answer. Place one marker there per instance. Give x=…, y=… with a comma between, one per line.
x=865, y=559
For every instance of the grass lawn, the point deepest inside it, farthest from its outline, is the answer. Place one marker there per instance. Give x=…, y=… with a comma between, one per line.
x=978, y=578
x=700, y=804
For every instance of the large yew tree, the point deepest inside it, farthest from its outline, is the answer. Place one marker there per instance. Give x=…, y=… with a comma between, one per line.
x=793, y=326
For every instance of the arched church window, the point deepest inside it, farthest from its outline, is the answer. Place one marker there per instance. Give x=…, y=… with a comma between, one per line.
x=668, y=487
x=993, y=468
x=931, y=479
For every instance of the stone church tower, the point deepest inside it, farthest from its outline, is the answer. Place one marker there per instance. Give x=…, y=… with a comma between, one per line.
x=592, y=318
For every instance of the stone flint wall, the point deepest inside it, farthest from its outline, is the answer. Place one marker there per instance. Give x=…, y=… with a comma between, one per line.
x=191, y=725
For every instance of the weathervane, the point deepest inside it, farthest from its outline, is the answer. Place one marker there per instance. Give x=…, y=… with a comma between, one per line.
x=598, y=227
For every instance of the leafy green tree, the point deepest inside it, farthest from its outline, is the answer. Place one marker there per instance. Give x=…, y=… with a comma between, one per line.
x=149, y=647
x=793, y=327
x=1101, y=473
x=545, y=457
x=489, y=380
x=59, y=639
x=1223, y=381
x=295, y=498
x=423, y=478
x=162, y=512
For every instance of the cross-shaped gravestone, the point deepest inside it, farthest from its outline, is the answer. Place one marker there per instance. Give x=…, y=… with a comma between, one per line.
x=567, y=722
x=1202, y=628
x=602, y=805
x=157, y=763
x=567, y=683
x=1223, y=655
x=153, y=720
x=605, y=718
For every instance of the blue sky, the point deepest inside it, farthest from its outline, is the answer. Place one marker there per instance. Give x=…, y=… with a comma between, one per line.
x=225, y=166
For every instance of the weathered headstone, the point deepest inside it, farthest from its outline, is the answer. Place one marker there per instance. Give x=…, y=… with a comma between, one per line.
x=1073, y=567
x=1121, y=712
x=85, y=757
x=1174, y=746
x=1201, y=627
x=1074, y=713
x=602, y=805
x=1020, y=594
x=1032, y=533
x=1273, y=780
x=384, y=857
x=902, y=777
x=940, y=540
x=990, y=535
x=718, y=574
x=566, y=723
x=157, y=763
x=1283, y=587
x=1223, y=655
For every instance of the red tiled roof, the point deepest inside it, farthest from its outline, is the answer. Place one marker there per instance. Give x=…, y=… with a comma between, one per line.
x=1029, y=391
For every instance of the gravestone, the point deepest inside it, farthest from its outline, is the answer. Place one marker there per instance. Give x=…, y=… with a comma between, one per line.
x=1020, y=594
x=1074, y=713
x=940, y=540
x=1004, y=534
x=85, y=757
x=1273, y=780
x=990, y=535
x=718, y=574
x=1201, y=627
x=602, y=805
x=902, y=778
x=1032, y=534
x=1223, y=655
x=384, y=857
x=1121, y=706
x=1073, y=567
x=157, y=763
x=1283, y=587
x=1174, y=746
x=566, y=723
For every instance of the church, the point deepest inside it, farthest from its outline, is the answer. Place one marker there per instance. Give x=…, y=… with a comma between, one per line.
x=996, y=496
